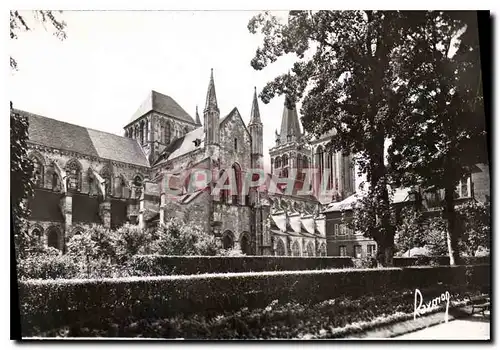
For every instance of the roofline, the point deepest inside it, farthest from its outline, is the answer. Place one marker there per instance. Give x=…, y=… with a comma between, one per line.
x=30, y=142
x=239, y=114
x=163, y=114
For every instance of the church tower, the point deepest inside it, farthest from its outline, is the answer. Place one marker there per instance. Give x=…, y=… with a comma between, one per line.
x=255, y=128
x=211, y=118
x=291, y=151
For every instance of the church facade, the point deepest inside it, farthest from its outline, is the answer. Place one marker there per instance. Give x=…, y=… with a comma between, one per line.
x=85, y=176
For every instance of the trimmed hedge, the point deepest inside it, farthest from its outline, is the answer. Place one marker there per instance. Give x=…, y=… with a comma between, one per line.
x=438, y=260
x=54, y=303
x=163, y=265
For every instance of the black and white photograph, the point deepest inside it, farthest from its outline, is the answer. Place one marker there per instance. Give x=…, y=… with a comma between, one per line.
x=220, y=175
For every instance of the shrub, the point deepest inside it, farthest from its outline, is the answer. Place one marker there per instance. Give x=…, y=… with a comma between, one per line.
x=157, y=265
x=131, y=240
x=67, y=302
x=51, y=265
x=178, y=238
x=365, y=263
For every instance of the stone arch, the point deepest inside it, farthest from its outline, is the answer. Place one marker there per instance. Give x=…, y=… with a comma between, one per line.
x=295, y=248
x=227, y=240
x=310, y=249
x=245, y=243
x=74, y=174
x=54, y=237
x=280, y=247
x=77, y=230
x=37, y=232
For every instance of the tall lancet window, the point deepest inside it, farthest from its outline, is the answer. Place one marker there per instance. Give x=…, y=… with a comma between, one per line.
x=329, y=167
x=168, y=132
x=141, y=132
x=320, y=162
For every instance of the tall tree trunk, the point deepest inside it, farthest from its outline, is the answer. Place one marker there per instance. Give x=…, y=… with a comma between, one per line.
x=451, y=232
x=383, y=233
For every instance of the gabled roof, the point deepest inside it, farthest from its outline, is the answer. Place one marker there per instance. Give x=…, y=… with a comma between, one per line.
x=185, y=144
x=74, y=138
x=234, y=113
x=164, y=104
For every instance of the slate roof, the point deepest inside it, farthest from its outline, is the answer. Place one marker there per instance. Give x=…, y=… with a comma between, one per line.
x=164, y=104
x=185, y=144
x=70, y=137
x=400, y=196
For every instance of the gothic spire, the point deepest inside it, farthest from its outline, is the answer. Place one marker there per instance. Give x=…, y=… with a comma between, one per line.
x=211, y=102
x=197, y=118
x=290, y=128
x=255, y=113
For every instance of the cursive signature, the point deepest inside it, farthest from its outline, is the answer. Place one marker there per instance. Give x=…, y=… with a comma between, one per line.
x=420, y=307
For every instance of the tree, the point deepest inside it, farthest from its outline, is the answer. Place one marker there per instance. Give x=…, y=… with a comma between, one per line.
x=444, y=135
x=21, y=180
x=411, y=230
x=18, y=23
x=349, y=84
x=474, y=226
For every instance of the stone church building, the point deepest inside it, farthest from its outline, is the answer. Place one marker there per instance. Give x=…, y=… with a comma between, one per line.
x=85, y=176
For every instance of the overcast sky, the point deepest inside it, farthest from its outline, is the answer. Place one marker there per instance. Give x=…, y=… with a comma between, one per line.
x=103, y=71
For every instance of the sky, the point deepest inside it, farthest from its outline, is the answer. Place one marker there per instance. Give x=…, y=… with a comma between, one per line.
x=109, y=61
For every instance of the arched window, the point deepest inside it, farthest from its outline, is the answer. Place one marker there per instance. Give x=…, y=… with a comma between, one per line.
x=37, y=233
x=280, y=248
x=56, y=184
x=148, y=130
x=237, y=177
x=53, y=238
x=299, y=162
x=295, y=249
x=284, y=172
x=329, y=168
x=319, y=162
x=122, y=187
x=310, y=249
x=106, y=175
x=74, y=175
x=224, y=193
x=322, y=249
x=37, y=171
x=228, y=240
x=141, y=132
x=277, y=162
x=245, y=244
x=285, y=159
x=138, y=181
x=162, y=133
x=168, y=133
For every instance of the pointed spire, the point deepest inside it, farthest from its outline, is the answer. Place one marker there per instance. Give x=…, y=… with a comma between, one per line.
x=289, y=121
x=211, y=102
x=197, y=118
x=255, y=113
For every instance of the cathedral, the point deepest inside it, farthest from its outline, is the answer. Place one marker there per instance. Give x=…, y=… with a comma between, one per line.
x=85, y=176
